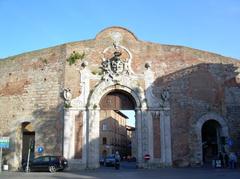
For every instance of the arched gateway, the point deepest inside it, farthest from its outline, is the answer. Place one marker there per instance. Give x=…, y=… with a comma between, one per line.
x=170, y=87
x=81, y=119
x=94, y=117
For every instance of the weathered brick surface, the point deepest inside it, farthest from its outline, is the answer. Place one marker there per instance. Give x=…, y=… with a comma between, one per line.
x=199, y=82
x=30, y=87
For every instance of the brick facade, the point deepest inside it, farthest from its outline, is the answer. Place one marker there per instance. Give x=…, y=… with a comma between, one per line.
x=199, y=83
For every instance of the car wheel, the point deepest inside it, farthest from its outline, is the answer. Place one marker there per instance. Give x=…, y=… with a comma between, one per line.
x=52, y=169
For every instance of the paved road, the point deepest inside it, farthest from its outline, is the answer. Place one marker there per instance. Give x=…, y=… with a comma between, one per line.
x=130, y=173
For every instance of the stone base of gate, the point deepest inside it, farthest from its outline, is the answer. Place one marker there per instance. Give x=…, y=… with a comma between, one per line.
x=76, y=165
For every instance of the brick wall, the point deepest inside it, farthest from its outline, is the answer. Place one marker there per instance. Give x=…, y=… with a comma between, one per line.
x=199, y=81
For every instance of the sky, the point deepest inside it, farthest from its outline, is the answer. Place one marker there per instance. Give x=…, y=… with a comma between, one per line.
x=131, y=117
x=211, y=25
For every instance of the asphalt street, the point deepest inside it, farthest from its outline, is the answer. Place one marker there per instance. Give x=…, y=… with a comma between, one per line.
x=126, y=172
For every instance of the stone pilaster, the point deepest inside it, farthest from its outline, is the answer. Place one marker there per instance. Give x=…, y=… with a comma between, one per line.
x=139, y=137
x=93, y=139
x=166, y=143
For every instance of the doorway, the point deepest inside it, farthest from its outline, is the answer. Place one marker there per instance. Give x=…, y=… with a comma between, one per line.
x=211, y=143
x=28, y=141
x=117, y=132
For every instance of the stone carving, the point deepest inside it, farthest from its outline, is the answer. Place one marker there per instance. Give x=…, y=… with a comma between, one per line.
x=67, y=96
x=116, y=37
x=115, y=66
x=164, y=99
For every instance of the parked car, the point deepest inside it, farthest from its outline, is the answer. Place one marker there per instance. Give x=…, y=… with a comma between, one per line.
x=46, y=163
x=110, y=160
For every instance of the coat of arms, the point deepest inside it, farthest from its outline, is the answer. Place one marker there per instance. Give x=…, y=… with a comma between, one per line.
x=114, y=66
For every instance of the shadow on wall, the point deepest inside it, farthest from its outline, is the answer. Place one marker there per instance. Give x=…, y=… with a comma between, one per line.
x=195, y=91
x=49, y=129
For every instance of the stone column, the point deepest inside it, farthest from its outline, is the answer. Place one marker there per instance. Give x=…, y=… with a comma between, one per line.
x=150, y=135
x=67, y=134
x=145, y=140
x=139, y=137
x=166, y=143
x=93, y=138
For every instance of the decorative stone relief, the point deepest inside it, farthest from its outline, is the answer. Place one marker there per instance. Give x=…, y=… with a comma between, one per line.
x=153, y=101
x=116, y=37
x=81, y=101
x=67, y=95
x=164, y=99
x=116, y=66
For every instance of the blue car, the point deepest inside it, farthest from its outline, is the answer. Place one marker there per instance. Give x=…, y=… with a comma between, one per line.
x=110, y=160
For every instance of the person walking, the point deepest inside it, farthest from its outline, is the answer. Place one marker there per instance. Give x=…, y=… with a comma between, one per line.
x=117, y=160
x=226, y=160
x=232, y=160
x=220, y=157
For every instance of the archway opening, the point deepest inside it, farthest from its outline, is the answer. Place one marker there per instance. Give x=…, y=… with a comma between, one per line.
x=211, y=143
x=28, y=141
x=117, y=126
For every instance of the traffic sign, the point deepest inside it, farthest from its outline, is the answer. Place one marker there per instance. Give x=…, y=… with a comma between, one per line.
x=230, y=142
x=146, y=157
x=40, y=149
x=4, y=142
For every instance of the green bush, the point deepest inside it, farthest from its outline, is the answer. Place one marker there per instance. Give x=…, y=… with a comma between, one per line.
x=74, y=57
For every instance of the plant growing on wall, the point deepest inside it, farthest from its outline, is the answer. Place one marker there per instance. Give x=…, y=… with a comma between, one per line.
x=74, y=57
x=67, y=105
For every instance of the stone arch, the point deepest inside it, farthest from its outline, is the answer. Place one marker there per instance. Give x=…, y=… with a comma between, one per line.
x=93, y=117
x=99, y=92
x=117, y=100
x=198, y=131
x=213, y=116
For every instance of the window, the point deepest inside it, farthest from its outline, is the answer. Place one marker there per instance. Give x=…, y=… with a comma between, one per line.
x=104, y=141
x=53, y=158
x=46, y=159
x=104, y=127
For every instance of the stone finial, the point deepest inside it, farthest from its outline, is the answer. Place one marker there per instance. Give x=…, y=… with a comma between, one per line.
x=84, y=64
x=147, y=65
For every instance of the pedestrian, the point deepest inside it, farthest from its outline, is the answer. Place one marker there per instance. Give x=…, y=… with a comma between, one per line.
x=232, y=160
x=117, y=160
x=220, y=157
x=226, y=159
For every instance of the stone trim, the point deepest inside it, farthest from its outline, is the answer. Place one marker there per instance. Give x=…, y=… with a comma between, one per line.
x=215, y=117
x=93, y=118
x=197, y=158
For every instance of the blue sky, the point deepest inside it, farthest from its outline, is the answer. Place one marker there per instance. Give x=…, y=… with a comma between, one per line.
x=212, y=25
x=131, y=117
